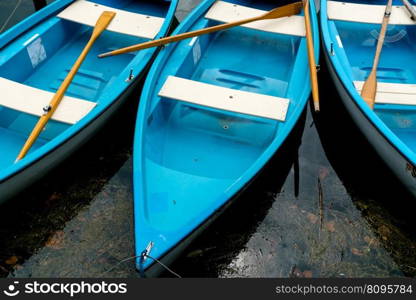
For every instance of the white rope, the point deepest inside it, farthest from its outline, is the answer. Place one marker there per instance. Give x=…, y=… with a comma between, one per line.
x=145, y=255
x=10, y=16
x=164, y=266
x=116, y=265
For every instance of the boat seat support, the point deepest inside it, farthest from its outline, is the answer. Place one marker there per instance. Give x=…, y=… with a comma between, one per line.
x=214, y=96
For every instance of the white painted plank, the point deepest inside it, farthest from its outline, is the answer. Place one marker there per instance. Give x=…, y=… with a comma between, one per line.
x=367, y=13
x=31, y=100
x=87, y=13
x=226, y=12
x=392, y=93
x=224, y=98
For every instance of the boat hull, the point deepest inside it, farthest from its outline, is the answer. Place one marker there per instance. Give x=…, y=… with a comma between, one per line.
x=33, y=168
x=156, y=269
x=18, y=182
x=224, y=163
x=291, y=145
x=396, y=162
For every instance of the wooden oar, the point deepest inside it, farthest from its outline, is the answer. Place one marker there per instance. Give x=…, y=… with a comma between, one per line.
x=283, y=11
x=369, y=90
x=311, y=57
x=102, y=23
x=410, y=9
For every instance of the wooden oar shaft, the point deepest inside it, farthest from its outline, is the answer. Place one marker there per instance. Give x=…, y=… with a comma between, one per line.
x=410, y=9
x=311, y=57
x=286, y=10
x=102, y=23
x=175, y=38
x=380, y=41
x=54, y=103
x=369, y=91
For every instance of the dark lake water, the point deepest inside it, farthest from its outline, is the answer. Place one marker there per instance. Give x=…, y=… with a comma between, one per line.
x=325, y=206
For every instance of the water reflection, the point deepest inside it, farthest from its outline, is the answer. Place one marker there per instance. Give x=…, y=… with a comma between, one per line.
x=80, y=216
x=299, y=236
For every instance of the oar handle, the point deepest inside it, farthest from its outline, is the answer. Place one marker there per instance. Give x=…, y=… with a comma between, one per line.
x=381, y=38
x=102, y=23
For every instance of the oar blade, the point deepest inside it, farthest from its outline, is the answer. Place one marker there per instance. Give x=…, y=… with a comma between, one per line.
x=284, y=11
x=103, y=21
x=369, y=91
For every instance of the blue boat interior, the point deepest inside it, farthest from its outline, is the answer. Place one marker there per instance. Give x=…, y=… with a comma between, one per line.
x=199, y=152
x=396, y=65
x=63, y=41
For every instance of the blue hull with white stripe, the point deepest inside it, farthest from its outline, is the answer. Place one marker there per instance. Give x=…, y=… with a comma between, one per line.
x=199, y=139
x=35, y=57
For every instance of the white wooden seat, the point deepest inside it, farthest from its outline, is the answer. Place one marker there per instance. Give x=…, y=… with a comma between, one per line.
x=226, y=12
x=367, y=13
x=31, y=100
x=224, y=98
x=124, y=22
x=392, y=93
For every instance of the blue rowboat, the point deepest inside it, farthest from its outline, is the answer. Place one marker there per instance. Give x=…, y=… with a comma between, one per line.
x=214, y=110
x=349, y=37
x=36, y=55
